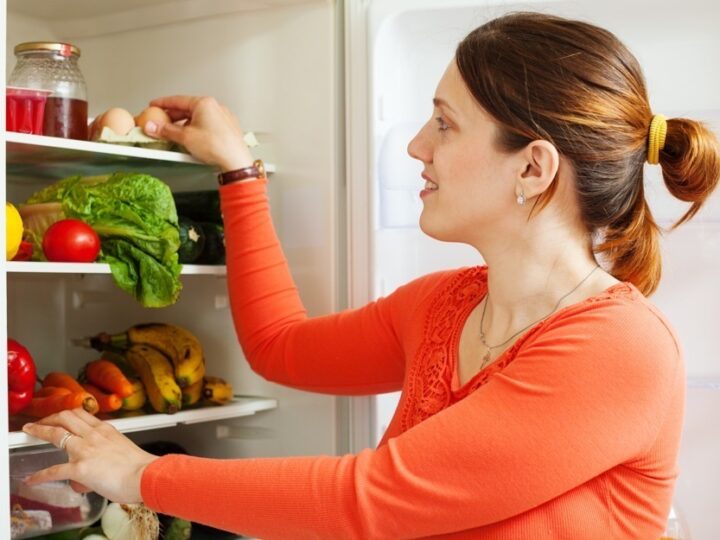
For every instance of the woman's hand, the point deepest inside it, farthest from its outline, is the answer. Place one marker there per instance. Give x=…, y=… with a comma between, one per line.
x=101, y=459
x=211, y=133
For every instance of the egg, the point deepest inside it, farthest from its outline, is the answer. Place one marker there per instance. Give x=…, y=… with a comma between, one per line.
x=156, y=114
x=117, y=119
x=94, y=129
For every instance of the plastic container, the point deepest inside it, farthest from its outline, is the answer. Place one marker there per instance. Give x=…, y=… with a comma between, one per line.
x=25, y=109
x=50, y=507
x=54, y=67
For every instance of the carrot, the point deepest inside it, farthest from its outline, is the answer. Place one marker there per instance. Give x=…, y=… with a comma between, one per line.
x=108, y=377
x=107, y=402
x=40, y=407
x=47, y=391
x=63, y=380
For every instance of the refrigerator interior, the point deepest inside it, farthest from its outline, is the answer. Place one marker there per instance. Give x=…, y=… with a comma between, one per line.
x=275, y=64
x=412, y=44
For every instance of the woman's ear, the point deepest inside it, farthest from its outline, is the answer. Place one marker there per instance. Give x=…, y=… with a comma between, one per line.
x=540, y=164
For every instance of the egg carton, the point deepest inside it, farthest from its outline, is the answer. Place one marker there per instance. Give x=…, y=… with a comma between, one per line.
x=136, y=137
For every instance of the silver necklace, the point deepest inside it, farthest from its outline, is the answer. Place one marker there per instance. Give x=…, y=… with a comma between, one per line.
x=489, y=347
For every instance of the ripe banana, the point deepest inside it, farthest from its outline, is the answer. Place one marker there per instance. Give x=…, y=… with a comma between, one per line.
x=217, y=390
x=178, y=344
x=137, y=399
x=156, y=373
x=175, y=342
x=192, y=394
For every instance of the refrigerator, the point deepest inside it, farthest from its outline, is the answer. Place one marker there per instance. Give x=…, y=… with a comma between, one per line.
x=333, y=91
x=278, y=65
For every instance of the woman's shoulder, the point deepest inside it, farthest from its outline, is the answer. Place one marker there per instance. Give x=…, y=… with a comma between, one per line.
x=620, y=325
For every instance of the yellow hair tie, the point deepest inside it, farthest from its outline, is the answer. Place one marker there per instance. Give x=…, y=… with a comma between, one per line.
x=656, y=142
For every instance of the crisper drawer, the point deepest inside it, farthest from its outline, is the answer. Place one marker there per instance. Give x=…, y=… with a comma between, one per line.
x=48, y=507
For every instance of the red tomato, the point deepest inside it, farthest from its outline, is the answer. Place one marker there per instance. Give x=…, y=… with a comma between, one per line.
x=71, y=240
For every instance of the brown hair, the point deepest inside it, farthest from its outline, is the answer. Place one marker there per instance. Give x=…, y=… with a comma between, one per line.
x=577, y=86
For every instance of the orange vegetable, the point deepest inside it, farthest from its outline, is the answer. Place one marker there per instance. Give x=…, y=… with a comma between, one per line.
x=107, y=402
x=62, y=380
x=47, y=391
x=107, y=376
x=41, y=407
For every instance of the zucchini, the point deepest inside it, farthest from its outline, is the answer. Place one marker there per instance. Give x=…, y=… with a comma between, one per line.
x=178, y=529
x=199, y=205
x=214, y=252
x=192, y=240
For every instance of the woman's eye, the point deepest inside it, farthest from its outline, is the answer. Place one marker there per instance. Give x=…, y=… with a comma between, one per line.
x=442, y=125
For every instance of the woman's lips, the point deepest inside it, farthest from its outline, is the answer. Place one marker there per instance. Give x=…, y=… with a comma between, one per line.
x=430, y=186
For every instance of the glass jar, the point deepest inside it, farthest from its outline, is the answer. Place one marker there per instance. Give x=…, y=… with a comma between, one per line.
x=54, y=67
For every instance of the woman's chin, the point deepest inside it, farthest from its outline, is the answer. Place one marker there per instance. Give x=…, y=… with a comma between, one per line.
x=433, y=230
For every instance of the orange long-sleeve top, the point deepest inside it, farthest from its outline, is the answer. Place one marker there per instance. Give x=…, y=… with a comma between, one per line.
x=572, y=433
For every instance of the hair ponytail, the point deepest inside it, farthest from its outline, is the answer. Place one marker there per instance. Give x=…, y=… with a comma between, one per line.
x=633, y=252
x=690, y=163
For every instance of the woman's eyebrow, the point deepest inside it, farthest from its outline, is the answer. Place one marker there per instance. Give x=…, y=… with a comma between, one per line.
x=439, y=102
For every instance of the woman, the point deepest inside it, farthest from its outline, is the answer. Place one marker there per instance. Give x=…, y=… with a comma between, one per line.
x=542, y=395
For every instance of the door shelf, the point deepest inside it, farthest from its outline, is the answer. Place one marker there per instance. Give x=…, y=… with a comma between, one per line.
x=36, y=159
x=704, y=383
x=29, y=267
x=240, y=406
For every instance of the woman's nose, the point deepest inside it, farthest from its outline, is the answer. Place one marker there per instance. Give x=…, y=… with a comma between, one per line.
x=419, y=147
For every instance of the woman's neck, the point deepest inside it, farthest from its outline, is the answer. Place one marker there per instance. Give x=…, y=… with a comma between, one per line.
x=525, y=283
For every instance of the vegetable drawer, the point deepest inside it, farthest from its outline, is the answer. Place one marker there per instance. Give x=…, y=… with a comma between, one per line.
x=48, y=507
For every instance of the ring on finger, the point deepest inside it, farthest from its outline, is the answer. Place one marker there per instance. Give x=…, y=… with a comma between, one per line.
x=65, y=438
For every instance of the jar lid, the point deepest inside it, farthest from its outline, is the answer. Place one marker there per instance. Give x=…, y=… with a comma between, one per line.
x=65, y=49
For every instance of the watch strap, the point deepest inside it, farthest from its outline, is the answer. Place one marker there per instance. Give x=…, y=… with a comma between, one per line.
x=256, y=170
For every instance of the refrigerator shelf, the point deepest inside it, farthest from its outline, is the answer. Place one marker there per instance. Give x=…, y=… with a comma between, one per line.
x=240, y=406
x=704, y=383
x=36, y=159
x=28, y=267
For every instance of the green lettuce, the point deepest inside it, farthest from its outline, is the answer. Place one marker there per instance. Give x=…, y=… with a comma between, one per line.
x=134, y=215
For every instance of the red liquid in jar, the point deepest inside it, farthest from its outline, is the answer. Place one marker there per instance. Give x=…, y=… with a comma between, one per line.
x=24, y=112
x=66, y=118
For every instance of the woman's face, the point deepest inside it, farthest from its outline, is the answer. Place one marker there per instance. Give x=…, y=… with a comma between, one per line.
x=470, y=184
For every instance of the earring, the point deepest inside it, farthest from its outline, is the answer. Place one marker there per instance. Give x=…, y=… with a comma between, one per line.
x=521, y=198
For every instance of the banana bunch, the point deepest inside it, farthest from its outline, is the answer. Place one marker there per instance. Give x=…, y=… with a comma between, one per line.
x=179, y=345
x=169, y=361
x=156, y=374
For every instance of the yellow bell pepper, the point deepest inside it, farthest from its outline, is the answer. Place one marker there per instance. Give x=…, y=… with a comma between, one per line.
x=13, y=231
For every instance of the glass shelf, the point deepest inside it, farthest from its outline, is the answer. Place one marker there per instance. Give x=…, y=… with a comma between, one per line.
x=240, y=406
x=704, y=383
x=38, y=160
x=28, y=267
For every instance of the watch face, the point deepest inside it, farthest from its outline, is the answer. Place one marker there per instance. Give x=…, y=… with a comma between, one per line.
x=260, y=167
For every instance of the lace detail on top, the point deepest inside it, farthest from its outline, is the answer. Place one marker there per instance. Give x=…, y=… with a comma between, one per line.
x=431, y=375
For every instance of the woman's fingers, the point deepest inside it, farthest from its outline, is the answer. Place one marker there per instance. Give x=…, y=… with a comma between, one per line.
x=181, y=103
x=51, y=474
x=169, y=131
x=178, y=114
x=79, y=488
x=86, y=417
x=53, y=431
